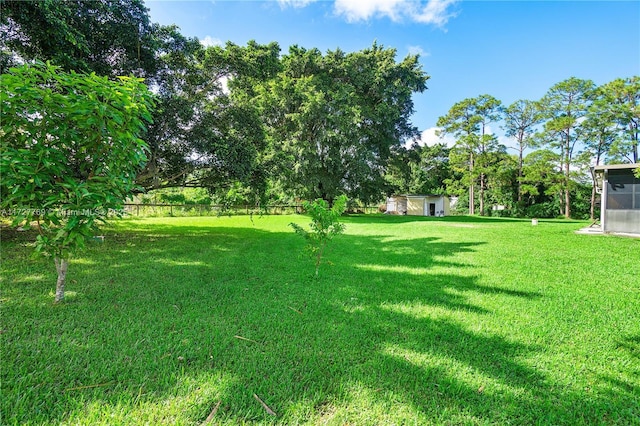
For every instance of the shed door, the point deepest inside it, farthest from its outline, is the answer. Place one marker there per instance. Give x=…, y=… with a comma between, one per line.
x=432, y=209
x=391, y=205
x=401, y=206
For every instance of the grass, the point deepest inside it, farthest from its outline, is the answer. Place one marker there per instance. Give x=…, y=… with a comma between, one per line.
x=416, y=321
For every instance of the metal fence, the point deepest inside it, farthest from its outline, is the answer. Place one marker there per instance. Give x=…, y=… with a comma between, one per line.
x=217, y=210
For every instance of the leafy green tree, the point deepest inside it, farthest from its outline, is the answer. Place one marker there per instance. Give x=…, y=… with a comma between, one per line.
x=108, y=37
x=462, y=123
x=333, y=120
x=521, y=118
x=542, y=182
x=70, y=151
x=400, y=169
x=324, y=226
x=599, y=133
x=174, y=82
x=487, y=163
x=621, y=103
x=419, y=169
x=208, y=132
x=581, y=199
x=429, y=173
x=205, y=132
x=501, y=180
x=468, y=122
x=565, y=106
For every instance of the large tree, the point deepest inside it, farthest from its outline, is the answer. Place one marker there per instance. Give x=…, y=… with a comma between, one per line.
x=207, y=131
x=333, y=119
x=621, y=103
x=468, y=121
x=70, y=151
x=521, y=119
x=565, y=106
x=419, y=169
x=542, y=182
x=599, y=133
x=499, y=170
x=108, y=37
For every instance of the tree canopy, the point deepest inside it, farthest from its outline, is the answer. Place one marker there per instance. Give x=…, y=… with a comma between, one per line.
x=70, y=152
x=468, y=122
x=205, y=133
x=565, y=105
x=108, y=37
x=333, y=120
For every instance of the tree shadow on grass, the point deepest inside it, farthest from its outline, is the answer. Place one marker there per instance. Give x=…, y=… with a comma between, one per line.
x=165, y=308
x=460, y=221
x=391, y=219
x=631, y=344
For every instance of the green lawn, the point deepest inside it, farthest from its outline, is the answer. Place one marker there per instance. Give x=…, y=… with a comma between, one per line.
x=415, y=321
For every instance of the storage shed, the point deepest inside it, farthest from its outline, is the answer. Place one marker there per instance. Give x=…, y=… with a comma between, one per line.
x=620, y=200
x=419, y=205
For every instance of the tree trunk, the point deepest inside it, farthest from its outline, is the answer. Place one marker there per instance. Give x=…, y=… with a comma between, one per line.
x=592, y=211
x=482, y=194
x=567, y=182
x=319, y=256
x=61, y=267
x=472, y=203
x=520, y=178
x=567, y=201
x=520, y=164
x=634, y=144
x=593, y=201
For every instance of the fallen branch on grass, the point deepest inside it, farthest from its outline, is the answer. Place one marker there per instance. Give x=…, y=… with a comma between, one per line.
x=244, y=338
x=213, y=413
x=295, y=310
x=266, y=407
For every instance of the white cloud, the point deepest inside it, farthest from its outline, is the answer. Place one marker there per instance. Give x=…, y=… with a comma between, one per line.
x=428, y=137
x=210, y=41
x=363, y=10
x=434, y=12
x=418, y=50
x=510, y=143
x=294, y=3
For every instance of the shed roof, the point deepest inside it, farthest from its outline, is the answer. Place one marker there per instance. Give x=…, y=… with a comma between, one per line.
x=604, y=167
x=419, y=195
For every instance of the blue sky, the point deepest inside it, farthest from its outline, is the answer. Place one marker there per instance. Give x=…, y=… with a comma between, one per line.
x=509, y=49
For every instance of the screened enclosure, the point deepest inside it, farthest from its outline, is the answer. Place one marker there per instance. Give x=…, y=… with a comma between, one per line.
x=620, y=198
x=623, y=190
